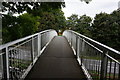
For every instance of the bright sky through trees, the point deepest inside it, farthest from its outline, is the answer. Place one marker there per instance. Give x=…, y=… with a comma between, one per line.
x=91, y=9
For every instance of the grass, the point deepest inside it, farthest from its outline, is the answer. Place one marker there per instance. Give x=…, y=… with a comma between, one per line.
x=92, y=57
x=19, y=63
x=96, y=76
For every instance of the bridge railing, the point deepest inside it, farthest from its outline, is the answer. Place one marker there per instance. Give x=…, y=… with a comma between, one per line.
x=18, y=57
x=97, y=60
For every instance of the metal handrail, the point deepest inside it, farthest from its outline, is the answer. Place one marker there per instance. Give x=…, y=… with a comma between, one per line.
x=96, y=42
x=22, y=39
x=19, y=56
x=97, y=60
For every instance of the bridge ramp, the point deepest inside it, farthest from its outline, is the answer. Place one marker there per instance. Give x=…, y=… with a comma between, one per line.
x=57, y=62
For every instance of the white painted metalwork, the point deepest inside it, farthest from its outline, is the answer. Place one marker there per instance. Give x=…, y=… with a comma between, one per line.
x=97, y=60
x=18, y=57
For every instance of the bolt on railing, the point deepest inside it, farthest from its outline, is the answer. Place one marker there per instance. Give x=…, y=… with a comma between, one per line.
x=98, y=61
x=18, y=57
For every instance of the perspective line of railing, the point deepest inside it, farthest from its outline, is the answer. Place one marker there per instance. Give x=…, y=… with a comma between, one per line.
x=19, y=56
x=98, y=61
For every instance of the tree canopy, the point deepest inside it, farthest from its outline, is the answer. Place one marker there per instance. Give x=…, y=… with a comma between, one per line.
x=39, y=16
x=106, y=29
x=80, y=24
x=30, y=7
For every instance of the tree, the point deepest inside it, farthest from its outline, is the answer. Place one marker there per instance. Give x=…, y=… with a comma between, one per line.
x=116, y=24
x=40, y=16
x=30, y=7
x=81, y=24
x=18, y=27
x=28, y=24
x=84, y=25
x=72, y=21
x=8, y=25
x=106, y=29
x=101, y=27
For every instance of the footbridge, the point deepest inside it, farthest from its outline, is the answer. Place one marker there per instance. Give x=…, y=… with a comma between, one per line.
x=45, y=55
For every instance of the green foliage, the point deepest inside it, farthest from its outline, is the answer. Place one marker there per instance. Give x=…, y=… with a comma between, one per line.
x=59, y=19
x=18, y=27
x=47, y=21
x=106, y=29
x=30, y=7
x=72, y=21
x=28, y=24
x=8, y=27
x=81, y=24
x=39, y=16
x=84, y=25
x=51, y=18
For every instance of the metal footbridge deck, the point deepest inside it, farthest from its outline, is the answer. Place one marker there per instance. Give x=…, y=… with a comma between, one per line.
x=45, y=55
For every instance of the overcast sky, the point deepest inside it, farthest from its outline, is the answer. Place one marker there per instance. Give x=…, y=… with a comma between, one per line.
x=91, y=9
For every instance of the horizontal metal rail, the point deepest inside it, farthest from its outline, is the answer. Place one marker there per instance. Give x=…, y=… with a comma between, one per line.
x=97, y=60
x=18, y=57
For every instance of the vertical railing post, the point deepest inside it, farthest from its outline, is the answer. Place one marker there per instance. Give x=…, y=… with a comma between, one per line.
x=32, y=50
x=71, y=39
x=6, y=64
x=38, y=45
x=103, y=66
x=1, y=64
x=119, y=73
x=82, y=50
x=76, y=44
x=78, y=47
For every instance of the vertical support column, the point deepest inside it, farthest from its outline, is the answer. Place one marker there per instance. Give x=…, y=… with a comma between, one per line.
x=6, y=64
x=103, y=66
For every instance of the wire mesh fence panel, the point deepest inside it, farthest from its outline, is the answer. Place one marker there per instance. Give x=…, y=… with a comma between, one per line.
x=35, y=46
x=99, y=61
x=1, y=64
x=91, y=59
x=42, y=40
x=113, y=68
x=18, y=57
x=74, y=41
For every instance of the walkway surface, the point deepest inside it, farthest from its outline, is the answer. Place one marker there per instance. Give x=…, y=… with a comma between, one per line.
x=57, y=62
